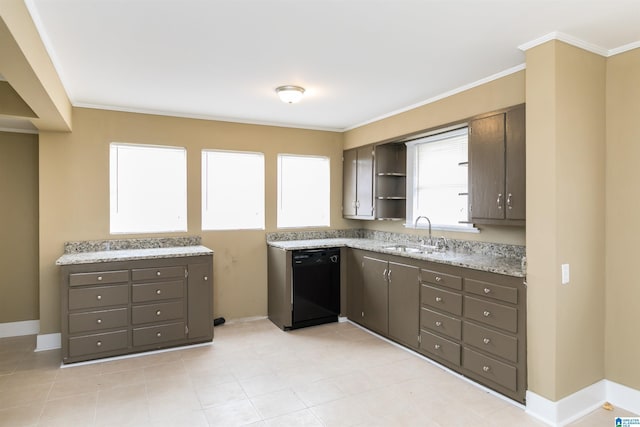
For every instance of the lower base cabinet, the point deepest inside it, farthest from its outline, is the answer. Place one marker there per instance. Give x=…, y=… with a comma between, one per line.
x=470, y=321
x=115, y=308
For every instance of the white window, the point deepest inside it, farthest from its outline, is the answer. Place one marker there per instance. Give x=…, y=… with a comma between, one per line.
x=148, y=188
x=437, y=180
x=303, y=191
x=232, y=190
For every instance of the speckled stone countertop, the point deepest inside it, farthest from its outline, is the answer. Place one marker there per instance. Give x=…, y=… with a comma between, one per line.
x=95, y=251
x=501, y=259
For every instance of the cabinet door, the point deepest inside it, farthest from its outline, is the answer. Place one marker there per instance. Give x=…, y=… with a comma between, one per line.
x=355, y=268
x=199, y=294
x=404, y=303
x=487, y=167
x=349, y=177
x=374, y=296
x=365, y=183
x=516, y=165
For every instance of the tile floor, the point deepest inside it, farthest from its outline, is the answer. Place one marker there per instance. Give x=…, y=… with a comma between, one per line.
x=254, y=374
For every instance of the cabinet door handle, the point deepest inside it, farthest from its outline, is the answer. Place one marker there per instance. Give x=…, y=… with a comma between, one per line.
x=158, y=273
x=438, y=299
x=206, y=278
x=509, y=201
x=99, y=344
x=384, y=274
x=486, y=290
x=158, y=292
x=159, y=334
x=99, y=321
x=99, y=297
x=486, y=340
x=389, y=275
x=436, y=346
x=499, y=200
x=438, y=279
x=438, y=323
x=99, y=278
x=158, y=313
x=486, y=368
x=486, y=313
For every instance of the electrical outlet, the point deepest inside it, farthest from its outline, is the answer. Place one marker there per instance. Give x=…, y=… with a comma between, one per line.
x=565, y=274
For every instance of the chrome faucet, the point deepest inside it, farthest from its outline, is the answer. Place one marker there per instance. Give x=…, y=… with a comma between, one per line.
x=415, y=225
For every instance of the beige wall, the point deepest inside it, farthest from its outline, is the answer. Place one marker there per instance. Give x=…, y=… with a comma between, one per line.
x=565, y=218
x=622, y=347
x=19, y=236
x=74, y=195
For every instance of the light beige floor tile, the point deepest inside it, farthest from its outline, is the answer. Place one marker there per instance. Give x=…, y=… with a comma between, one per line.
x=124, y=406
x=168, y=400
x=278, y=403
x=196, y=418
x=343, y=413
x=71, y=371
x=313, y=394
x=303, y=418
x=602, y=418
x=118, y=379
x=35, y=395
x=19, y=416
x=255, y=386
x=74, y=386
x=70, y=411
x=232, y=414
x=218, y=394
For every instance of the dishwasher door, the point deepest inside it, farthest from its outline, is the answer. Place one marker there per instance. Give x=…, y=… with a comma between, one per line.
x=316, y=287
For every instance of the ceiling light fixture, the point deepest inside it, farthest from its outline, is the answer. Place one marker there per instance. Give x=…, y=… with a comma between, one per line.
x=290, y=94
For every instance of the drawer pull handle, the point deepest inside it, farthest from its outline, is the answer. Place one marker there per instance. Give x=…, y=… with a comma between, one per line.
x=438, y=323
x=438, y=299
x=436, y=347
x=159, y=334
x=487, y=290
x=99, y=278
x=206, y=278
x=438, y=279
x=99, y=297
x=158, y=273
x=486, y=368
x=486, y=340
x=99, y=321
x=486, y=313
x=158, y=291
x=158, y=313
x=99, y=344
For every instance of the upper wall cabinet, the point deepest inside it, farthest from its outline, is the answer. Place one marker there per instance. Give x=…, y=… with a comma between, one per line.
x=497, y=168
x=357, y=192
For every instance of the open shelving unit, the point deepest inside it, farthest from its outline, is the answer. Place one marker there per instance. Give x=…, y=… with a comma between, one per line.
x=390, y=181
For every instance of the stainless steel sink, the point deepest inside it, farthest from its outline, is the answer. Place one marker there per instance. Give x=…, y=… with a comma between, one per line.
x=405, y=249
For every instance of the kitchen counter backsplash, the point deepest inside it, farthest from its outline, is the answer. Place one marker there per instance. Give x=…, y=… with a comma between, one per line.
x=128, y=244
x=468, y=246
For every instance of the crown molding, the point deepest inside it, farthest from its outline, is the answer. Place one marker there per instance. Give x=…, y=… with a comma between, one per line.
x=574, y=41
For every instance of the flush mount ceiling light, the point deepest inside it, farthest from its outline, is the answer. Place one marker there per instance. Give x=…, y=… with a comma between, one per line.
x=290, y=94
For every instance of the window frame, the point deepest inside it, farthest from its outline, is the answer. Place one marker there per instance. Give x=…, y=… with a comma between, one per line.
x=205, y=193
x=412, y=179
x=279, y=215
x=114, y=186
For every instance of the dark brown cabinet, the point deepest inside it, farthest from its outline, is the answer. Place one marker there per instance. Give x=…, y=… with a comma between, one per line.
x=357, y=193
x=383, y=295
x=120, y=307
x=497, y=168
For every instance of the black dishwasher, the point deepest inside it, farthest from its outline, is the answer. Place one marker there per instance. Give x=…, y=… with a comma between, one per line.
x=316, y=287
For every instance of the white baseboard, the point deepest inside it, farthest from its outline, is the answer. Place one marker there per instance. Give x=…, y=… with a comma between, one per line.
x=582, y=402
x=18, y=329
x=48, y=342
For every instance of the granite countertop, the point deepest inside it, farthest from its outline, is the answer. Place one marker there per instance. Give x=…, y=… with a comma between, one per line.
x=507, y=265
x=92, y=251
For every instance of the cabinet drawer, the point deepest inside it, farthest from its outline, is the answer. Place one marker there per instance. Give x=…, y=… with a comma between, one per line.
x=491, y=290
x=157, y=273
x=157, y=312
x=98, y=343
x=98, y=277
x=158, y=334
x=440, y=323
x=441, y=279
x=98, y=320
x=489, y=368
x=491, y=341
x=157, y=291
x=441, y=347
x=493, y=314
x=98, y=296
x=442, y=300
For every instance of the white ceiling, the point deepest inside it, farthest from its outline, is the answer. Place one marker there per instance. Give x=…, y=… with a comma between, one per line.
x=358, y=59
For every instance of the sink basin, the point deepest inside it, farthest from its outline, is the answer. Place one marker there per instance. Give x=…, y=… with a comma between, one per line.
x=403, y=248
